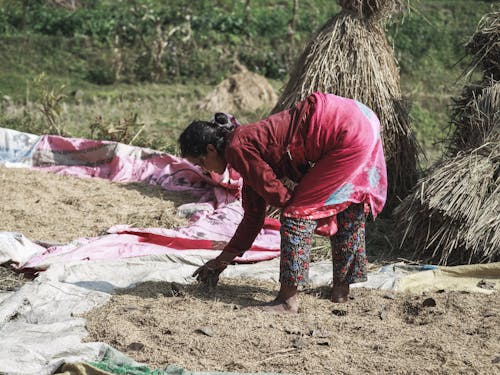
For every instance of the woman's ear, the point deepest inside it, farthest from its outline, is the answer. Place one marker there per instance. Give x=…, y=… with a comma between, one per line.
x=211, y=149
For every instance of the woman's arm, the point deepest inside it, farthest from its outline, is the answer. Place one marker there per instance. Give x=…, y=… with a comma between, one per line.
x=247, y=231
x=251, y=224
x=259, y=175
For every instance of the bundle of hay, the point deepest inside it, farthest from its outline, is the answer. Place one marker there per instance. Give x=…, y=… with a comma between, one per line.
x=485, y=45
x=475, y=116
x=371, y=8
x=242, y=91
x=453, y=215
x=351, y=57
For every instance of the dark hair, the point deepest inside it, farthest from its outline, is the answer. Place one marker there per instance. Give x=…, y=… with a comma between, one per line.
x=221, y=119
x=195, y=138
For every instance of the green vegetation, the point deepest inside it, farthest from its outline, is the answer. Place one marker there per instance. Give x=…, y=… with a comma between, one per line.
x=133, y=70
x=151, y=60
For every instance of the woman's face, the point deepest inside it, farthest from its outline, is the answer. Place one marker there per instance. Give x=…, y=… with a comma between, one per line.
x=211, y=162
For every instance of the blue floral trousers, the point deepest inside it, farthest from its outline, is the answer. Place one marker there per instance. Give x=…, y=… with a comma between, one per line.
x=348, y=248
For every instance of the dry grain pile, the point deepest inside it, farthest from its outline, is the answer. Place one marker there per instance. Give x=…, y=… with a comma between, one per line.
x=351, y=57
x=453, y=215
x=160, y=323
x=378, y=332
x=243, y=91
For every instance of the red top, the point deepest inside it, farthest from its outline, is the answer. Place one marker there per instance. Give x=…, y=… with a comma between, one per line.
x=261, y=153
x=340, y=137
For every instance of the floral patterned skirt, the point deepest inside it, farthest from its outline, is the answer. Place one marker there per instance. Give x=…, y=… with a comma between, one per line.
x=348, y=248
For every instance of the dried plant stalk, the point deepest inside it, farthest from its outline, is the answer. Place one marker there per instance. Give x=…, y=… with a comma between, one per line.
x=351, y=57
x=475, y=116
x=485, y=45
x=378, y=9
x=454, y=215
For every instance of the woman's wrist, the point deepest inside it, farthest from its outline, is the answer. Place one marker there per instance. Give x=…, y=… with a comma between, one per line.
x=221, y=262
x=216, y=264
x=226, y=257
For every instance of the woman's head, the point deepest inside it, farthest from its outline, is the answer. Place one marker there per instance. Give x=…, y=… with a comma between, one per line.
x=203, y=142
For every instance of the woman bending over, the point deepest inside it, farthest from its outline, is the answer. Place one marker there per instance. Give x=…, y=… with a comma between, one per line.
x=330, y=147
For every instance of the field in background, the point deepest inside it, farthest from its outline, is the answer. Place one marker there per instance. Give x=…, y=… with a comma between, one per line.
x=78, y=49
x=91, y=72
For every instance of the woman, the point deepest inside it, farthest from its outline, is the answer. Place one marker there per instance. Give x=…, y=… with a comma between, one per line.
x=331, y=148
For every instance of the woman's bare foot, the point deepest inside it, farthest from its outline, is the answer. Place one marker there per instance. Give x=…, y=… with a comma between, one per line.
x=340, y=293
x=285, y=303
x=281, y=307
x=278, y=307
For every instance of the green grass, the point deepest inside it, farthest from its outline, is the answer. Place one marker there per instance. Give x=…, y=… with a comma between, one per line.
x=164, y=110
x=74, y=50
x=428, y=43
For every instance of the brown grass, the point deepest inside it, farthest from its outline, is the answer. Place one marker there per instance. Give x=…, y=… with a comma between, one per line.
x=242, y=91
x=484, y=45
x=475, y=116
x=372, y=8
x=351, y=57
x=452, y=216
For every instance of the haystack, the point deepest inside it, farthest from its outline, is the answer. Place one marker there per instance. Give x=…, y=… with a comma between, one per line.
x=453, y=215
x=475, y=116
x=242, y=91
x=351, y=57
x=484, y=45
x=471, y=126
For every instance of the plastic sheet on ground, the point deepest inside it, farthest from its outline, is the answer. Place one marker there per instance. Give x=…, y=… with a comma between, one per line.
x=16, y=248
x=16, y=148
x=208, y=229
x=39, y=325
x=40, y=331
x=479, y=278
x=114, y=362
x=116, y=162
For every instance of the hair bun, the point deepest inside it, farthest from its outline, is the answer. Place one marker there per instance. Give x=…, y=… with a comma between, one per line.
x=221, y=118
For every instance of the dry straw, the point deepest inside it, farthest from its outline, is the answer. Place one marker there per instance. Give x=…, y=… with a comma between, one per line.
x=351, y=57
x=453, y=215
x=475, y=116
x=485, y=45
x=372, y=9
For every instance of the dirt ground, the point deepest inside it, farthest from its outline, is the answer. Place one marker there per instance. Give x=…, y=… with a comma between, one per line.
x=377, y=332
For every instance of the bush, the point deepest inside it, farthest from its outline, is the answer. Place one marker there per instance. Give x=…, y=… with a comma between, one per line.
x=101, y=74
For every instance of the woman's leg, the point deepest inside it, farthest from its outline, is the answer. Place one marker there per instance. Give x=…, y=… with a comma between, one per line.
x=348, y=251
x=296, y=242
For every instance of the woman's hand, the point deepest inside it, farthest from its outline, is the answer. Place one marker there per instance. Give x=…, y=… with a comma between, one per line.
x=208, y=274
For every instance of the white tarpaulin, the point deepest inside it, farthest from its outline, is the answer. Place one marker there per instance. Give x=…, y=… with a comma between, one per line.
x=38, y=323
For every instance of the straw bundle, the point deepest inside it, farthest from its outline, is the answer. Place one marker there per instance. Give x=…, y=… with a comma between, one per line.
x=485, y=45
x=454, y=215
x=372, y=8
x=475, y=116
x=350, y=57
x=242, y=91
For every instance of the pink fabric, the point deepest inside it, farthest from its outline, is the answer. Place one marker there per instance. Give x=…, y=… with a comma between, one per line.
x=208, y=232
x=343, y=138
x=124, y=163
